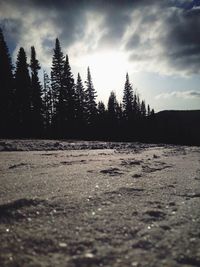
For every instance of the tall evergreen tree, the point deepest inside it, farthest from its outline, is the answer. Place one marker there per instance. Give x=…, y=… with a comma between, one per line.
x=80, y=102
x=47, y=103
x=128, y=99
x=6, y=88
x=36, y=96
x=57, y=72
x=101, y=121
x=152, y=113
x=138, y=106
x=101, y=109
x=22, y=95
x=91, y=95
x=135, y=106
x=143, y=109
x=120, y=112
x=112, y=107
x=113, y=120
x=148, y=111
x=67, y=100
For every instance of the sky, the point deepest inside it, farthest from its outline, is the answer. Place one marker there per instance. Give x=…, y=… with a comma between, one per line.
x=156, y=41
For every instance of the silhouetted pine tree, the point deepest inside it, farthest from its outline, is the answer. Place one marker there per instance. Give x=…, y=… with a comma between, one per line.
x=91, y=95
x=138, y=110
x=80, y=105
x=148, y=111
x=112, y=106
x=120, y=119
x=36, y=96
x=102, y=124
x=143, y=109
x=152, y=113
x=135, y=106
x=67, y=101
x=101, y=109
x=128, y=99
x=142, y=130
x=120, y=112
x=153, y=127
x=22, y=95
x=6, y=89
x=47, y=104
x=57, y=71
x=113, y=120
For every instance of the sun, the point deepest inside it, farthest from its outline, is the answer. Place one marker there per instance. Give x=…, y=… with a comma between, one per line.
x=108, y=70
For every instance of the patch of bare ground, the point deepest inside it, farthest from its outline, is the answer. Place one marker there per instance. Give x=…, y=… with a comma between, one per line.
x=126, y=205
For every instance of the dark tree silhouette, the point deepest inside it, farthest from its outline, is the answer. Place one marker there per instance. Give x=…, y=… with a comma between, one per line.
x=152, y=113
x=136, y=112
x=57, y=72
x=148, y=111
x=113, y=116
x=22, y=95
x=91, y=105
x=80, y=106
x=128, y=100
x=47, y=104
x=143, y=109
x=101, y=109
x=112, y=106
x=36, y=96
x=151, y=128
x=67, y=101
x=102, y=124
x=120, y=112
x=6, y=89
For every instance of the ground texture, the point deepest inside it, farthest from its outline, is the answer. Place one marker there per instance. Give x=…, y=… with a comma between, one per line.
x=84, y=204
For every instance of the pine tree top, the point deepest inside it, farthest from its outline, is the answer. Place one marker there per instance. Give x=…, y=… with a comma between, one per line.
x=21, y=58
x=5, y=56
x=34, y=64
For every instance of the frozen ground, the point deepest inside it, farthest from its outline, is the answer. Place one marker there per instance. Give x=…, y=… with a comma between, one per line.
x=84, y=204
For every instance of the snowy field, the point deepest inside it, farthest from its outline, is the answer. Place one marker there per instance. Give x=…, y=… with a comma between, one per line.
x=85, y=204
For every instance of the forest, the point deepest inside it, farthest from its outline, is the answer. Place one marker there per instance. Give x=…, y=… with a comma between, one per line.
x=64, y=108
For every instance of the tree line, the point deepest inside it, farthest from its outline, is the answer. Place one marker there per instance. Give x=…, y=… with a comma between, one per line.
x=61, y=107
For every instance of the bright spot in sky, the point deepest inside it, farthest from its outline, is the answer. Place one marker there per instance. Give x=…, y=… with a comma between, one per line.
x=108, y=70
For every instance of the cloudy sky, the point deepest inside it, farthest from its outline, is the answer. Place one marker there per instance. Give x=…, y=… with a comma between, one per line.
x=156, y=41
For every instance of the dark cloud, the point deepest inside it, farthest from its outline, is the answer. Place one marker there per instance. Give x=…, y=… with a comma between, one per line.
x=11, y=28
x=67, y=16
x=85, y=3
x=195, y=94
x=167, y=31
x=182, y=40
x=134, y=41
x=185, y=4
x=115, y=25
x=175, y=39
x=184, y=28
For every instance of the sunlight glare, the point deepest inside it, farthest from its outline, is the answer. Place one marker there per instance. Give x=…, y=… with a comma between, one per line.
x=108, y=70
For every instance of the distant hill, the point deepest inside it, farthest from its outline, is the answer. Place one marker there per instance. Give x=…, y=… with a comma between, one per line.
x=178, y=126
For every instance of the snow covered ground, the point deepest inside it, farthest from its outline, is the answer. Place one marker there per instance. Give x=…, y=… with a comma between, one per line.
x=83, y=204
